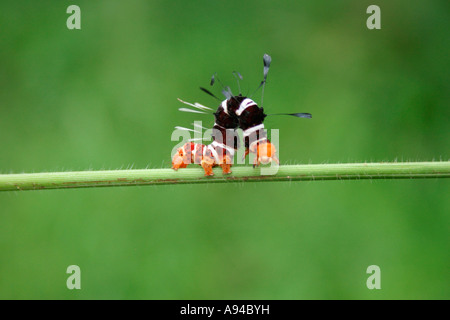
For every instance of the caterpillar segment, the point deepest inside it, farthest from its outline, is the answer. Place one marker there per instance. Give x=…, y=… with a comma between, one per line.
x=265, y=152
x=207, y=156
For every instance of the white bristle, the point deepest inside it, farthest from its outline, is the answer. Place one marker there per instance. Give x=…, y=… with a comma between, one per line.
x=186, y=129
x=190, y=110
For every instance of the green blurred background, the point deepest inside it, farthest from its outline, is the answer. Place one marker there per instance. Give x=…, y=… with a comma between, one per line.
x=104, y=97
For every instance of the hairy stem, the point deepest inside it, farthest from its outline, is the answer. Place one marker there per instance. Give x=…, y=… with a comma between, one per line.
x=309, y=172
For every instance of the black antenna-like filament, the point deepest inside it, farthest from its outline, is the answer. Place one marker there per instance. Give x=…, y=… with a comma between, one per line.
x=209, y=92
x=238, y=76
x=266, y=60
x=298, y=115
x=226, y=91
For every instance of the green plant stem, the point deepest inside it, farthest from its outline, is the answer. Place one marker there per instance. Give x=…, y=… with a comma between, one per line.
x=309, y=172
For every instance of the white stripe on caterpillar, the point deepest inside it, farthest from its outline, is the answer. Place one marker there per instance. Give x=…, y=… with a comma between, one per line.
x=223, y=146
x=244, y=105
x=249, y=131
x=224, y=106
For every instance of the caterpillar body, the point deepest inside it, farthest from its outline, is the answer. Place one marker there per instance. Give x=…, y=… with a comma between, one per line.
x=235, y=112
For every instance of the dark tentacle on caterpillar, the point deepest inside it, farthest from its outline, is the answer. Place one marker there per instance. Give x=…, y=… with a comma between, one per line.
x=235, y=112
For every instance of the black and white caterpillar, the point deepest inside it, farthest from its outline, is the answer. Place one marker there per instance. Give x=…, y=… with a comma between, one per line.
x=235, y=112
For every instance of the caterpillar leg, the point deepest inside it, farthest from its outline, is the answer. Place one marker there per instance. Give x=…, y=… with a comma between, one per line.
x=277, y=161
x=177, y=161
x=207, y=165
x=256, y=162
x=226, y=165
x=245, y=154
x=182, y=157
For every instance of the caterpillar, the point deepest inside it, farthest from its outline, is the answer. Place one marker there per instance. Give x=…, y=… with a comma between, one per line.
x=235, y=112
